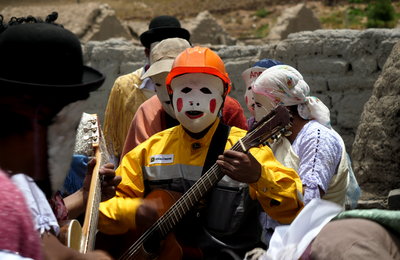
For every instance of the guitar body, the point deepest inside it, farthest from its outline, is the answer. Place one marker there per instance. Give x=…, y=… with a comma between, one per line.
x=179, y=244
x=71, y=234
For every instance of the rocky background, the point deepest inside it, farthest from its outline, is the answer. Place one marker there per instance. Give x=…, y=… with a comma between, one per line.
x=355, y=73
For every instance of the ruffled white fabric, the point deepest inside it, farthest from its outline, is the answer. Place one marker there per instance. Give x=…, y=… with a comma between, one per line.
x=286, y=87
x=8, y=255
x=290, y=242
x=42, y=213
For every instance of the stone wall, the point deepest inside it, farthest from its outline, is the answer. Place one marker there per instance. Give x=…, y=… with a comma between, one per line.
x=376, y=149
x=340, y=66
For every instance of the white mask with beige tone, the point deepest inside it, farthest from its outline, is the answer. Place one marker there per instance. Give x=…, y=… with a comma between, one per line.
x=197, y=98
x=249, y=76
x=263, y=105
x=162, y=93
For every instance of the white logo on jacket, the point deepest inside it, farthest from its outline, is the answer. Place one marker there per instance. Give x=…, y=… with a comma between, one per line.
x=161, y=158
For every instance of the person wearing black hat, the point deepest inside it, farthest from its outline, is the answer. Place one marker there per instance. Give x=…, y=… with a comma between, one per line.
x=129, y=91
x=44, y=85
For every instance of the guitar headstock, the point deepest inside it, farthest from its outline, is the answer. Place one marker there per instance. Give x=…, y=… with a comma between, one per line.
x=88, y=135
x=92, y=130
x=270, y=127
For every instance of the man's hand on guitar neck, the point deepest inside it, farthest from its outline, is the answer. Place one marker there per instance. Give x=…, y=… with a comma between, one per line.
x=76, y=203
x=242, y=167
x=110, y=182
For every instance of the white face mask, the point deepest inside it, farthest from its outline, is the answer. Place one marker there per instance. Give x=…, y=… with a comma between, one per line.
x=250, y=99
x=263, y=105
x=162, y=93
x=61, y=142
x=249, y=76
x=197, y=99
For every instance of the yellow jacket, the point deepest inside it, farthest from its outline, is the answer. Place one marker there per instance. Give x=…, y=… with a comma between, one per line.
x=174, y=154
x=125, y=99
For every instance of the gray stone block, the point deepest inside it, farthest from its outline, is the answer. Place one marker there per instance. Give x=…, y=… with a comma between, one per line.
x=394, y=199
x=370, y=204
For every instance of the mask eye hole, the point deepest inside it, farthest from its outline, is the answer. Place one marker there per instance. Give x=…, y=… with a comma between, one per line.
x=249, y=88
x=186, y=90
x=158, y=84
x=258, y=104
x=205, y=91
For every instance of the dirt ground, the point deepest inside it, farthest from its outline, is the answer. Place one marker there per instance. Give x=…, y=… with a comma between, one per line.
x=238, y=17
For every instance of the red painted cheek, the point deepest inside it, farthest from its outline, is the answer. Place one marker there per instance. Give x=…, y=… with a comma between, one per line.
x=213, y=105
x=247, y=100
x=179, y=104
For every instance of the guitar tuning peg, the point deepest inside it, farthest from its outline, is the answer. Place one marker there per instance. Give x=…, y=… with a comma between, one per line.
x=85, y=129
x=287, y=133
x=94, y=129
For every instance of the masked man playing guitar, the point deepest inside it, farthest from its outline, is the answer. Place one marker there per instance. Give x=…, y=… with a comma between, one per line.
x=185, y=159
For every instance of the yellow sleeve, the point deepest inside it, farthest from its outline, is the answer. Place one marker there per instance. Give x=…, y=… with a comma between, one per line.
x=279, y=183
x=117, y=215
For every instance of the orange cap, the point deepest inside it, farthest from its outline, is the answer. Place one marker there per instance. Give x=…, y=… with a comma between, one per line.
x=199, y=60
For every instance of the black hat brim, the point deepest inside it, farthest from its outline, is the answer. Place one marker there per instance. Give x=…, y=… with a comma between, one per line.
x=162, y=33
x=92, y=79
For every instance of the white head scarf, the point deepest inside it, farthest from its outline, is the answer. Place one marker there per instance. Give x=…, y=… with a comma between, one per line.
x=286, y=87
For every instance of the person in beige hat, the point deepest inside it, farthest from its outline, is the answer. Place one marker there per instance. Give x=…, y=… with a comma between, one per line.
x=157, y=113
x=129, y=91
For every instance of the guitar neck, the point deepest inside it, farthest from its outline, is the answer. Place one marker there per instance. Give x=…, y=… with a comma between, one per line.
x=92, y=209
x=94, y=198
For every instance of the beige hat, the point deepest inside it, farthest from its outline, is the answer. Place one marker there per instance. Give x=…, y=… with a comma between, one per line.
x=163, y=55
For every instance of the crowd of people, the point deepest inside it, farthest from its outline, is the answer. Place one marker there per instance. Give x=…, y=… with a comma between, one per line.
x=190, y=172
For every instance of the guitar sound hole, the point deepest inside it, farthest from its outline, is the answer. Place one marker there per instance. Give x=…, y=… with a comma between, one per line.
x=153, y=243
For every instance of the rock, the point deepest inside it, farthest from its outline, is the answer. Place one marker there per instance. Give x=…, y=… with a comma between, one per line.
x=88, y=21
x=205, y=29
x=376, y=148
x=136, y=28
x=394, y=199
x=370, y=204
x=295, y=19
x=114, y=57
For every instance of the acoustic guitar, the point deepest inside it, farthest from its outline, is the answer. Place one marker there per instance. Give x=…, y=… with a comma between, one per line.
x=71, y=233
x=158, y=242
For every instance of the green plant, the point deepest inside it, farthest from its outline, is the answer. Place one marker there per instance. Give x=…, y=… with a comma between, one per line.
x=381, y=14
x=262, y=31
x=355, y=17
x=334, y=21
x=262, y=13
x=358, y=1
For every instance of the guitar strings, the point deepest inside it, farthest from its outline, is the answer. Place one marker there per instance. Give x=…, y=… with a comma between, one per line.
x=134, y=250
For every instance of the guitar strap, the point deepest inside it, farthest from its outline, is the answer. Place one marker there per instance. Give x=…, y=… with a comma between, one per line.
x=217, y=147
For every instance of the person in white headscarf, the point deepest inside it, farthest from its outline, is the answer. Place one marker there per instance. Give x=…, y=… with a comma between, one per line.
x=314, y=150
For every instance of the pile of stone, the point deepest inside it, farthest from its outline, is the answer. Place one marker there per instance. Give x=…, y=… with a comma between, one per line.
x=88, y=21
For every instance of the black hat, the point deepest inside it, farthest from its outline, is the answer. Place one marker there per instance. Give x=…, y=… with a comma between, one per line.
x=161, y=28
x=44, y=59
